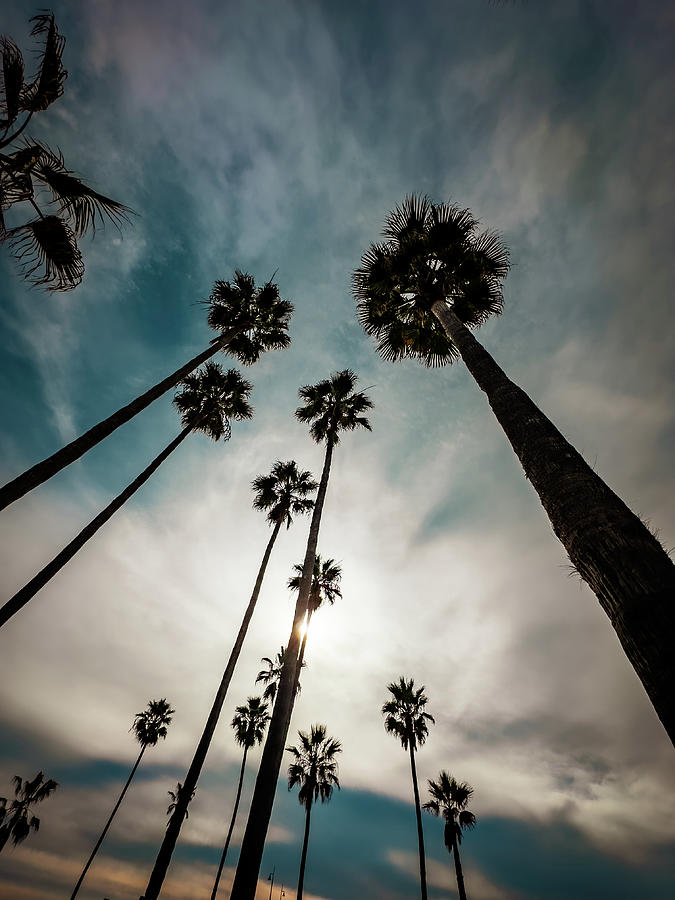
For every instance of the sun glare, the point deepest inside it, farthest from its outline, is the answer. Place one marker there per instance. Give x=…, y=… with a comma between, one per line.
x=303, y=627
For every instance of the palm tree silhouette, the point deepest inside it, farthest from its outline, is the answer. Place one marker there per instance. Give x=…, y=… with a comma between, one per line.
x=314, y=769
x=175, y=798
x=16, y=820
x=326, y=576
x=283, y=493
x=249, y=320
x=208, y=400
x=249, y=725
x=331, y=406
x=148, y=727
x=406, y=719
x=272, y=674
x=450, y=798
x=417, y=292
x=45, y=247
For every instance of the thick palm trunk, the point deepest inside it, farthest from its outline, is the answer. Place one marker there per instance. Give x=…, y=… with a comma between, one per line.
x=303, y=857
x=190, y=784
x=250, y=855
x=618, y=557
x=458, y=869
x=107, y=825
x=231, y=828
x=44, y=575
x=44, y=470
x=418, y=814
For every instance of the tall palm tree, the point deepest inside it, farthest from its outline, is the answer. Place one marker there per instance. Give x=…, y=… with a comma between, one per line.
x=331, y=407
x=16, y=820
x=406, y=719
x=148, y=727
x=314, y=769
x=208, y=400
x=450, y=798
x=283, y=493
x=272, y=675
x=45, y=247
x=326, y=576
x=249, y=723
x=434, y=277
x=250, y=320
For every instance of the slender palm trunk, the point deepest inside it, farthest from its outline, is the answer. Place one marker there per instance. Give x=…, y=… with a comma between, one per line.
x=4, y=836
x=301, y=655
x=44, y=575
x=418, y=814
x=231, y=828
x=190, y=784
x=458, y=868
x=107, y=825
x=250, y=855
x=44, y=470
x=616, y=555
x=303, y=857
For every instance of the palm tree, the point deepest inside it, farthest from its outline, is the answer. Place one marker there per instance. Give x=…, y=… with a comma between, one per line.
x=175, y=797
x=283, y=493
x=450, y=798
x=249, y=725
x=45, y=247
x=272, y=675
x=313, y=768
x=406, y=719
x=326, y=576
x=209, y=399
x=331, y=406
x=434, y=277
x=16, y=820
x=148, y=727
x=249, y=320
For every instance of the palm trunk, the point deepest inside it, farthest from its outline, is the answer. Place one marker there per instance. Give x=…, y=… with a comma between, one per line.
x=231, y=828
x=616, y=555
x=301, y=656
x=107, y=825
x=250, y=855
x=44, y=470
x=44, y=575
x=190, y=784
x=4, y=836
x=458, y=868
x=303, y=857
x=418, y=814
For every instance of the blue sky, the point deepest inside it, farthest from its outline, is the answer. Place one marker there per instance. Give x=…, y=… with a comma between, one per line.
x=274, y=137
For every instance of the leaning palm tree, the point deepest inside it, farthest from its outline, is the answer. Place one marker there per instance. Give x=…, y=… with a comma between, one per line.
x=450, y=798
x=148, y=727
x=249, y=723
x=331, y=407
x=314, y=769
x=45, y=247
x=208, y=400
x=283, y=494
x=249, y=320
x=406, y=719
x=16, y=820
x=271, y=676
x=326, y=576
x=418, y=293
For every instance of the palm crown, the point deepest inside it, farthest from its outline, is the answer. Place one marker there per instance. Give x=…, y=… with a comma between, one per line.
x=260, y=311
x=449, y=798
x=16, y=820
x=152, y=724
x=272, y=674
x=432, y=251
x=211, y=397
x=284, y=492
x=404, y=713
x=250, y=721
x=314, y=767
x=332, y=406
x=326, y=577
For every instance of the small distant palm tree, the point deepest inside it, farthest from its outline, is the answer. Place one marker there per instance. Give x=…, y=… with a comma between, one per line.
x=16, y=819
x=449, y=798
x=326, y=576
x=249, y=320
x=272, y=675
x=315, y=770
x=208, y=400
x=176, y=797
x=406, y=719
x=249, y=723
x=148, y=727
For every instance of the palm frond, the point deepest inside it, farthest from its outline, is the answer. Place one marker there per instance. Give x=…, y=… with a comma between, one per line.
x=209, y=398
x=11, y=81
x=49, y=244
x=48, y=85
x=250, y=721
x=151, y=724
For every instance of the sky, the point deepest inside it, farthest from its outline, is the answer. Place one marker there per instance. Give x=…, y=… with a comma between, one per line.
x=274, y=137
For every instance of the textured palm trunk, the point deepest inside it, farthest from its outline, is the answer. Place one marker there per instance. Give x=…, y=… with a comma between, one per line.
x=190, y=784
x=107, y=825
x=44, y=470
x=250, y=855
x=29, y=590
x=616, y=555
x=231, y=828
x=458, y=868
x=303, y=857
x=418, y=814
